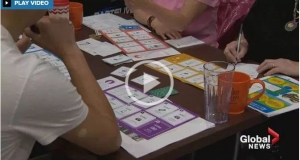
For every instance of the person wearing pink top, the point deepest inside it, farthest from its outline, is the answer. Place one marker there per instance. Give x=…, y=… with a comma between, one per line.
x=178, y=18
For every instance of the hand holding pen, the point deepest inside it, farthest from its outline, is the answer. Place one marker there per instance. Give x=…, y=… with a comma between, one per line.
x=236, y=50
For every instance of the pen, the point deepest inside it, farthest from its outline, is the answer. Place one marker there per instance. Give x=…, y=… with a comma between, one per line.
x=239, y=40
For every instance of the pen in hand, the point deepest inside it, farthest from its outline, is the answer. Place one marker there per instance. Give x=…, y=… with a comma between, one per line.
x=239, y=43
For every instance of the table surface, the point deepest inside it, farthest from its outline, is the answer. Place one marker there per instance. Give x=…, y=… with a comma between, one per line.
x=189, y=97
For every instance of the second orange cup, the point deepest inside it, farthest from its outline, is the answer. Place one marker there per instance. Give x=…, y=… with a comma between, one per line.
x=76, y=14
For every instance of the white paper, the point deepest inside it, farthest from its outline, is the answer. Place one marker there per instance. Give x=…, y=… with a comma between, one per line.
x=185, y=42
x=95, y=47
x=122, y=71
x=103, y=21
x=249, y=69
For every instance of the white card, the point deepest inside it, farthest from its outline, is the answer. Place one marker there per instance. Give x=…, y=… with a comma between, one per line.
x=164, y=62
x=185, y=73
x=134, y=49
x=128, y=44
x=109, y=82
x=134, y=93
x=122, y=71
x=142, y=37
x=173, y=68
x=125, y=110
x=117, y=92
x=122, y=39
x=143, y=79
x=139, y=119
x=114, y=103
x=162, y=109
x=137, y=33
x=199, y=68
x=196, y=79
x=190, y=63
x=149, y=41
x=155, y=46
x=178, y=117
x=117, y=59
x=117, y=35
x=148, y=99
x=33, y=48
x=111, y=30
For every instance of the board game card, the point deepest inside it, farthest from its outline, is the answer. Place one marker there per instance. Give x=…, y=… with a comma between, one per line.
x=142, y=37
x=190, y=63
x=109, y=82
x=185, y=73
x=116, y=59
x=155, y=46
x=173, y=68
x=162, y=109
x=149, y=41
x=134, y=49
x=125, y=110
x=144, y=78
x=149, y=99
x=122, y=71
x=199, y=68
x=164, y=62
x=111, y=30
x=137, y=33
x=196, y=79
x=127, y=44
x=122, y=39
x=114, y=103
x=117, y=35
x=178, y=117
x=139, y=119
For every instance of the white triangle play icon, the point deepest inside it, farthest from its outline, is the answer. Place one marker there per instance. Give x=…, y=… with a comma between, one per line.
x=149, y=82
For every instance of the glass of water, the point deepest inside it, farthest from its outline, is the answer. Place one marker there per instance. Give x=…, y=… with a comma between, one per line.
x=218, y=77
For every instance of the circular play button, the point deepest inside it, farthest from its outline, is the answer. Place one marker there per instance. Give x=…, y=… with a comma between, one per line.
x=149, y=82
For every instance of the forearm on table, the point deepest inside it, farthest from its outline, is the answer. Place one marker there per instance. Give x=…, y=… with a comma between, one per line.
x=174, y=20
x=141, y=16
x=86, y=84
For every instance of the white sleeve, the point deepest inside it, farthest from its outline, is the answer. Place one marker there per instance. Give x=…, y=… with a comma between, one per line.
x=50, y=105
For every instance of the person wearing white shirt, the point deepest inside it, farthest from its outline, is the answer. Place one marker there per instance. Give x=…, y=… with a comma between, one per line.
x=38, y=102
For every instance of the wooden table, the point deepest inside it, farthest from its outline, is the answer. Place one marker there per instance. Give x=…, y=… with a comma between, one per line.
x=189, y=97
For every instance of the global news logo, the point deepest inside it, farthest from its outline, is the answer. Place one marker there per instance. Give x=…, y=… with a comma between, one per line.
x=258, y=142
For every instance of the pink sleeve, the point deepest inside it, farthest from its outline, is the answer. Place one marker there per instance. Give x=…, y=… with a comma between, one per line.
x=211, y=3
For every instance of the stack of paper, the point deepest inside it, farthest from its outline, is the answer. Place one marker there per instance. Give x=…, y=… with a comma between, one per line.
x=95, y=47
x=281, y=95
x=185, y=42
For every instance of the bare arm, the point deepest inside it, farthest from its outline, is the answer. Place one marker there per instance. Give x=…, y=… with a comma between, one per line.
x=177, y=20
x=141, y=16
x=99, y=132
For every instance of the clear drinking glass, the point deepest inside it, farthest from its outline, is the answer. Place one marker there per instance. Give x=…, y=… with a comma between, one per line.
x=218, y=77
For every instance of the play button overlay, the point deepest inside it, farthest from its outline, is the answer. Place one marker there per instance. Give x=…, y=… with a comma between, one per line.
x=6, y=3
x=149, y=82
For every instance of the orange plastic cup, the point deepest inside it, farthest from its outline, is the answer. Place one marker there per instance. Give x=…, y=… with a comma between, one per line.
x=76, y=14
